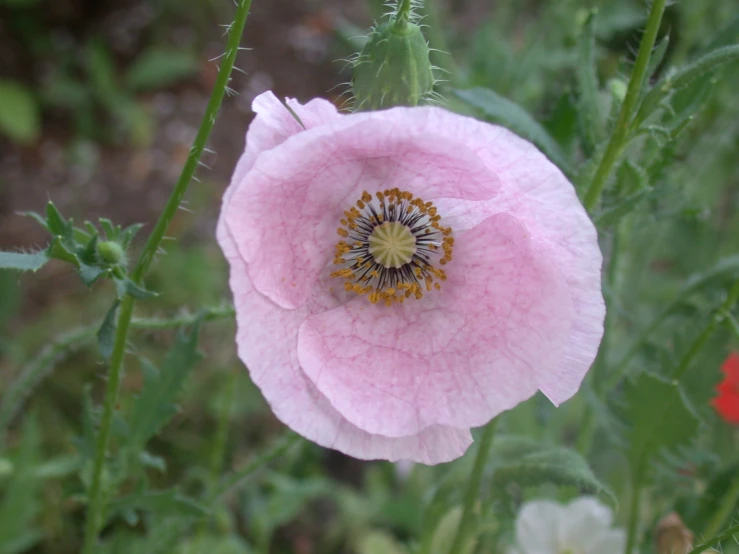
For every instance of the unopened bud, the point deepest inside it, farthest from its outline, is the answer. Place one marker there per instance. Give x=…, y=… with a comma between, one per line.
x=110, y=252
x=672, y=536
x=393, y=68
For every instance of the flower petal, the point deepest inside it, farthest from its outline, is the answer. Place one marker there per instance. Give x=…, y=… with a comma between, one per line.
x=287, y=207
x=612, y=541
x=537, y=193
x=267, y=344
x=457, y=357
x=537, y=525
x=584, y=521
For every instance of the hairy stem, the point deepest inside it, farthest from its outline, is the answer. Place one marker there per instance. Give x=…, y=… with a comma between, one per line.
x=708, y=330
x=725, y=509
x=728, y=534
x=473, y=487
x=403, y=15
x=619, y=138
x=97, y=496
x=636, y=490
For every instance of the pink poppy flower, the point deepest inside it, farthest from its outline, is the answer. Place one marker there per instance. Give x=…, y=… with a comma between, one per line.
x=405, y=275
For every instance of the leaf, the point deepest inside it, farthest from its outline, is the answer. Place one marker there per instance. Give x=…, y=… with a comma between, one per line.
x=20, y=117
x=658, y=54
x=446, y=531
x=516, y=118
x=56, y=223
x=592, y=125
x=21, y=261
x=124, y=285
x=106, y=334
x=160, y=67
x=165, y=503
x=684, y=77
x=539, y=464
x=154, y=406
x=379, y=542
x=658, y=418
x=20, y=502
x=129, y=233
x=633, y=183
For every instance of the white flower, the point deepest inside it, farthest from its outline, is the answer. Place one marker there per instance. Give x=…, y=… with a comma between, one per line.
x=581, y=527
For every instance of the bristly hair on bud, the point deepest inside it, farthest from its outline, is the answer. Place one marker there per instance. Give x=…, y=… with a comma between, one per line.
x=393, y=68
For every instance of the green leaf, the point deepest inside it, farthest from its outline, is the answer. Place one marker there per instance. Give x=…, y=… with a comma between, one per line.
x=513, y=116
x=21, y=502
x=106, y=334
x=37, y=217
x=164, y=503
x=684, y=77
x=446, y=531
x=379, y=542
x=111, y=230
x=658, y=55
x=56, y=223
x=129, y=233
x=161, y=67
x=58, y=250
x=21, y=261
x=658, y=418
x=155, y=406
x=20, y=117
x=633, y=184
x=529, y=463
x=592, y=124
x=124, y=285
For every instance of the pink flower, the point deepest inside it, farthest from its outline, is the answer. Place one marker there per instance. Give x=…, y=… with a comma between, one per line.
x=402, y=276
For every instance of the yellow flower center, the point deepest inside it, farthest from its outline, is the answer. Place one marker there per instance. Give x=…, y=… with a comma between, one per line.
x=390, y=246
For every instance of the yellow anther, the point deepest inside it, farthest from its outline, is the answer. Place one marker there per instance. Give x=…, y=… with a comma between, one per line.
x=366, y=196
x=342, y=232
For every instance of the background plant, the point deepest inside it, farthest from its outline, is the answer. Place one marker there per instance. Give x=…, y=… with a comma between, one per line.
x=665, y=201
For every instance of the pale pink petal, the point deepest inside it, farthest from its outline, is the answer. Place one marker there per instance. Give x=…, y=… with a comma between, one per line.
x=267, y=344
x=538, y=194
x=287, y=208
x=272, y=126
x=457, y=357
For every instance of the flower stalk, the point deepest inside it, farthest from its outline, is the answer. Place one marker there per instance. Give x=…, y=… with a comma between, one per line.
x=620, y=136
x=473, y=487
x=98, y=496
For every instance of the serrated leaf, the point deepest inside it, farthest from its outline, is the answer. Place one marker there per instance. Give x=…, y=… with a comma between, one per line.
x=592, y=124
x=549, y=465
x=106, y=334
x=516, y=118
x=88, y=254
x=658, y=418
x=124, y=285
x=169, y=502
x=58, y=250
x=20, y=117
x=155, y=406
x=161, y=67
x=21, y=261
x=56, y=223
x=37, y=217
x=684, y=77
x=129, y=233
x=90, y=273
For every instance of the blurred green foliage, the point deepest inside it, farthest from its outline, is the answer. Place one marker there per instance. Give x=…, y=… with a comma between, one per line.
x=554, y=71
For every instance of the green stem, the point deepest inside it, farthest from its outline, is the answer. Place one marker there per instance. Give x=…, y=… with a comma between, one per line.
x=728, y=505
x=633, y=526
x=619, y=138
x=403, y=15
x=97, y=496
x=728, y=534
x=708, y=330
x=473, y=487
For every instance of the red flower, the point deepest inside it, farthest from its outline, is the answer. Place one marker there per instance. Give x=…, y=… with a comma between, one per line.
x=727, y=401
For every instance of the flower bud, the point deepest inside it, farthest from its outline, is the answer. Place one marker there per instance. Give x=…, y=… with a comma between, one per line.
x=393, y=68
x=673, y=537
x=110, y=252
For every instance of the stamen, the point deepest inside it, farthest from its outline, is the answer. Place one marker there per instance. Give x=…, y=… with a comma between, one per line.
x=391, y=248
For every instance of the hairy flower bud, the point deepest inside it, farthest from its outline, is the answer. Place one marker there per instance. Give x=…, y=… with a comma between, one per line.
x=110, y=252
x=393, y=68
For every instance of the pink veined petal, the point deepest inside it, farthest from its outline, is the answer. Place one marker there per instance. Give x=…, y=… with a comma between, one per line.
x=267, y=344
x=287, y=207
x=457, y=357
x=272, y=126
x=537, y=193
